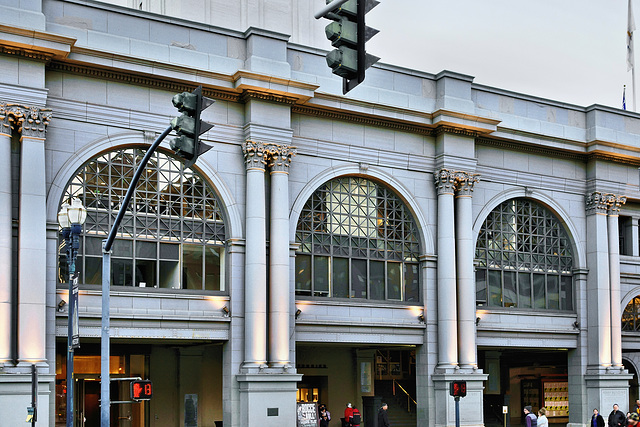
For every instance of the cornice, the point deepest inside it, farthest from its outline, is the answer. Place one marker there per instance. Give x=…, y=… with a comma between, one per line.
x=530, y=148
x=34, y=44
x=249, y=94
x=463, y=116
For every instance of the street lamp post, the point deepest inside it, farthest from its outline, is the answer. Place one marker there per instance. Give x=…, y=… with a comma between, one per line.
x=70, y=218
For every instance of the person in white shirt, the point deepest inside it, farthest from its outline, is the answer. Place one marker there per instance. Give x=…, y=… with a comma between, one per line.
x=542, y=418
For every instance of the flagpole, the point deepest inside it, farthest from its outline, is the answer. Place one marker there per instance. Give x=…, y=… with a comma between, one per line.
x=633, y=87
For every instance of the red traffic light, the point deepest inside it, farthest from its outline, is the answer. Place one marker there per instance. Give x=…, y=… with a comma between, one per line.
x=141, y=390
x=458, y=388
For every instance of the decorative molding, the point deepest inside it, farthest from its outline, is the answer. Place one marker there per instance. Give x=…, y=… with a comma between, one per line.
x=460, y=182
x=250, y=94
x=26, y=53
x=445, y=181
x=279, y=157
x=530, y=148
x=155, y=82
x=604, y=203
x=30, y=121
x=5, y=120
x=254, y=154
x=456, y=131
x=465, y=182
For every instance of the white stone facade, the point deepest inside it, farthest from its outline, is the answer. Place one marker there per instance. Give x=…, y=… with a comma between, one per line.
x=79, y=78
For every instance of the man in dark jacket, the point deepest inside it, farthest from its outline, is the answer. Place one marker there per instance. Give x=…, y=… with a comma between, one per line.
x=383, y=417
x=616, y=417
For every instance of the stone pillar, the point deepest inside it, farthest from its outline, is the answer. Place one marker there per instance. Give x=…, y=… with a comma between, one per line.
x=614, y=279
x=255, y=276
x=5, y=234
x=279, y=301
x=598, y=290
x=467, y=355
x=32, y=238
x=446, y=252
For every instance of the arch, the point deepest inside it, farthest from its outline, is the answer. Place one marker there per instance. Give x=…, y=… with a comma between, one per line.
x=579, y=253
x=93, y=149
x=371, y=172
x=626, y=299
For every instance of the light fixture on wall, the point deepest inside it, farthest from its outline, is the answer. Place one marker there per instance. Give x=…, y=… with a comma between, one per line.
x=421, y=317
x=225, y=311
x=61, y=305
x=477, y=320
x=298, y=313
x=576, y=325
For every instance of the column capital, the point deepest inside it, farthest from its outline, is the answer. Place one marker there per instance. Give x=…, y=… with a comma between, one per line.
x=465, y=182
x=449, y=182
x=255, y=153
x=445, y=181
x=31, y=121
x=604, y=203
x=279, y=157
x=5, y=119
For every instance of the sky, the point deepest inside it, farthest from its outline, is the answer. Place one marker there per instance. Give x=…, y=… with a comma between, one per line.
x=571, y=51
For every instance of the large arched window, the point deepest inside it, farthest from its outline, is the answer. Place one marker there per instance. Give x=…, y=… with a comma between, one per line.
x=524, y=258
x=357, y=240
x=631, y=315
x=172, y=235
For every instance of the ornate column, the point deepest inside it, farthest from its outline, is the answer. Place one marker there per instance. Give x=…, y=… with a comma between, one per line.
x=467, y=355
x=5, y=234
x=446, y=246
x=615, y=201
x=598, y=290
x=32, y=241
x=279, y=301
x=255, y=274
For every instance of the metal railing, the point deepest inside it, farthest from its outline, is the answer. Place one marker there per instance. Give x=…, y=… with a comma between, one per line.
x=409, y=398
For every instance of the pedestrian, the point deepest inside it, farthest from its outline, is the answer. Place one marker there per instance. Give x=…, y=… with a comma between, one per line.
x=596, y=419
x=616, y=417
x=348, y=412
x=324, y=416
x=542, y=418
x=637, y=409
x=632, y=419
x=356, y=418
x=530, y=418
x=383, y=416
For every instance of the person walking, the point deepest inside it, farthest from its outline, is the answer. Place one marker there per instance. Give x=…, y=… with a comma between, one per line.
x=383, y=416
x=324, y=416
x=596, y=419
x=637, y=408
x=616, y=417
x=530, y=418
x=542, y=418
x=348, y=412
x=356, y=418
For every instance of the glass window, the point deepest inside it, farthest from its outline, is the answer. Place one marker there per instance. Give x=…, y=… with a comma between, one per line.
x=524, y=258
x=363, y=242
x=172, y=236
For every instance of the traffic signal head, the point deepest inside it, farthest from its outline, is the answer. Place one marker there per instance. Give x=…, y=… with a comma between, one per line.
x=348, y=34
x=188, y=126
x=141, y=390
x=458, y=388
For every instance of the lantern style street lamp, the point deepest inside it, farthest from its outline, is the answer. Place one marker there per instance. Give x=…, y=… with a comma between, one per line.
x=70, y=218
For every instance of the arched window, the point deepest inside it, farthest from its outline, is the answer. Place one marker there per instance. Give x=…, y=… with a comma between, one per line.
x=524, y=259
x=631, y=316
x=172, y=235
x=357, y=240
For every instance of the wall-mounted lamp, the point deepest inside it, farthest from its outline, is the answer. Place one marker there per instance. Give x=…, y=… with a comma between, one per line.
x=421, y=317
x=477, y=320
x=225, y=311
x=298, y=313
x=61, y=305
x=576, y=325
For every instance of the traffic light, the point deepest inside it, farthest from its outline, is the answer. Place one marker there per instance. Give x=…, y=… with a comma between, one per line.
x=188, y=126
x=141, y=390
x=348, y=34
x=458, y=388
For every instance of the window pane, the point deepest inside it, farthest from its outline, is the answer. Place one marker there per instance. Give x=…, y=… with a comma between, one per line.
x=145, y=273
x=191, y=266
x=510, y=293
x=524, y=289
x=93, y=246
x=340, y=278
x=358, y=278
x=303, y=274
x=169, y=274
x=566, y=293
x=321, y=276
x=121, y=272
x=553, y=292
x=169, y=251
x=538, y=291
x=394, y=280
x=481, y=287
x=146, y=250
x=93, y=270
x=495, y=288
x=411, y=283
x=212, y=263
x=376, y=279
x=122, y=248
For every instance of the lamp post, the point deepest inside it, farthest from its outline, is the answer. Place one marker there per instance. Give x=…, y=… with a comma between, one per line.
x=70, y=218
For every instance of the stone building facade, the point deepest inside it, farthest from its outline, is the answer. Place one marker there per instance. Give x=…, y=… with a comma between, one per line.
x=329, y=248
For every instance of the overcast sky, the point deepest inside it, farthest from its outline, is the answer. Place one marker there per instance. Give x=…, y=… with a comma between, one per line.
x=571, y=51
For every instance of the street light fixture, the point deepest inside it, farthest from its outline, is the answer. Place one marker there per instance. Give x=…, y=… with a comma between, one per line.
x=70, y=218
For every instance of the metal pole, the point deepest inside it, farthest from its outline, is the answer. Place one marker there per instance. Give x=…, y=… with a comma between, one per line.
x=457, y=399
x=329, y=8
x=105, y=403
x=34, y=394
x=66, y=233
